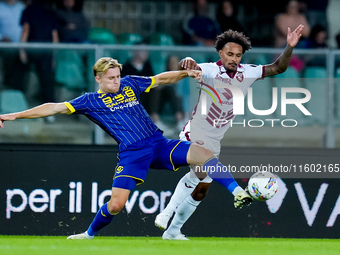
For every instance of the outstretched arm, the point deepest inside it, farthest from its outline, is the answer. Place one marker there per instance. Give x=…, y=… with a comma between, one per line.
x=40, y=111
x=175, y=76
x=282, y=62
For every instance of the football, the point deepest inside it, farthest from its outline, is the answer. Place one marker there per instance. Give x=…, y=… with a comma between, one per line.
x=262, y=186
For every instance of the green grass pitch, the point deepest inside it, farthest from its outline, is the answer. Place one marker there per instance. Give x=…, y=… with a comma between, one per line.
x=36, y=245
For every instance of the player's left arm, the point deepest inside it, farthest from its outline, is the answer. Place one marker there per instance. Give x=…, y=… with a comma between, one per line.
x=281, y=63
x=175, y=76
x=40, y=111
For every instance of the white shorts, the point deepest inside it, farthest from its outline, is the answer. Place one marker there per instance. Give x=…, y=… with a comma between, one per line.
x=198, y=138
x=208, y=143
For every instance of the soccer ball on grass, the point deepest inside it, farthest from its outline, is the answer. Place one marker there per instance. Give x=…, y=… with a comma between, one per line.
x=262, y=186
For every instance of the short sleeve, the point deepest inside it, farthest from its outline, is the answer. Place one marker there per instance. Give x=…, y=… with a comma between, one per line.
x=206, y=70
x=143, y=82
x=255, y=71
x=77, y=104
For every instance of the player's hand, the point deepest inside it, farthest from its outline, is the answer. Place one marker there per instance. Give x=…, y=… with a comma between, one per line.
x=196, y=74
x=190, y=64
x=5, y=117
x=294, y=37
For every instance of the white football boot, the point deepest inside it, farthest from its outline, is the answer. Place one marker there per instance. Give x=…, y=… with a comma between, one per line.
x=162, y=221
x=180, y=237
x=80, y=236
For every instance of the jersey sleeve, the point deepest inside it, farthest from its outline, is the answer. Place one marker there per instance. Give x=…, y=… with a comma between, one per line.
x=205, y=67
x=144, y=83
x=77, y=104
x=255, y=71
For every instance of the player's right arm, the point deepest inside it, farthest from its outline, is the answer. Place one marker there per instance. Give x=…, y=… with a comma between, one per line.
x=40, y=111
x=174, y=76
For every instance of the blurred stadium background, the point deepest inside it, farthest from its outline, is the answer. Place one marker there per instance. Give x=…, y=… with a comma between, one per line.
x=60, y=146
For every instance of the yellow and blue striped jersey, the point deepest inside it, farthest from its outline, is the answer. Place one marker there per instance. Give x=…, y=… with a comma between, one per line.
x=120, y=114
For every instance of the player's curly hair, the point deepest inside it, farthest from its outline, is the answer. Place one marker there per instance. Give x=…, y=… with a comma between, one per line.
x=232, y=36
x=104, y=64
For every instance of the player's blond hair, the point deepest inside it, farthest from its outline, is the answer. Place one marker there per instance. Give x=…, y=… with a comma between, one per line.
x=104, y=64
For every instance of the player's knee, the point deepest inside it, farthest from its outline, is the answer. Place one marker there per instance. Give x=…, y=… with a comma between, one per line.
x=205, y=153
x=115, y=206
x=198, y=154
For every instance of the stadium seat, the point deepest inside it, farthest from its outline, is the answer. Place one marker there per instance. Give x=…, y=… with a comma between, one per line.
x=70, y=70
x=315, y=80
x=200, y=57
x=290, y=73
x=261, y=60
x=129, y=39
x=126, y=39
x=101, y=35
x=15, y=101
x=162, y=39
x=159, y=58
x=158, y=61
x=12, y=101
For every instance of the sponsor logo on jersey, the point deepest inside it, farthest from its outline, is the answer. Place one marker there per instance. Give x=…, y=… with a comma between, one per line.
x=239, y=76
x=125, y=99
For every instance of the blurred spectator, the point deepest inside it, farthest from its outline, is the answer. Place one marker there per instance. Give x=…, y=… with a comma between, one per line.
x=292, y=18
x=317, y=39
x=317, y=13
x=227, y=17
x=10, y=31
x=155, y=100
x=199, y=28
x=169, y=96
x=10, y=14
x=140, y=64
x=73, y=27
x=39, y=25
